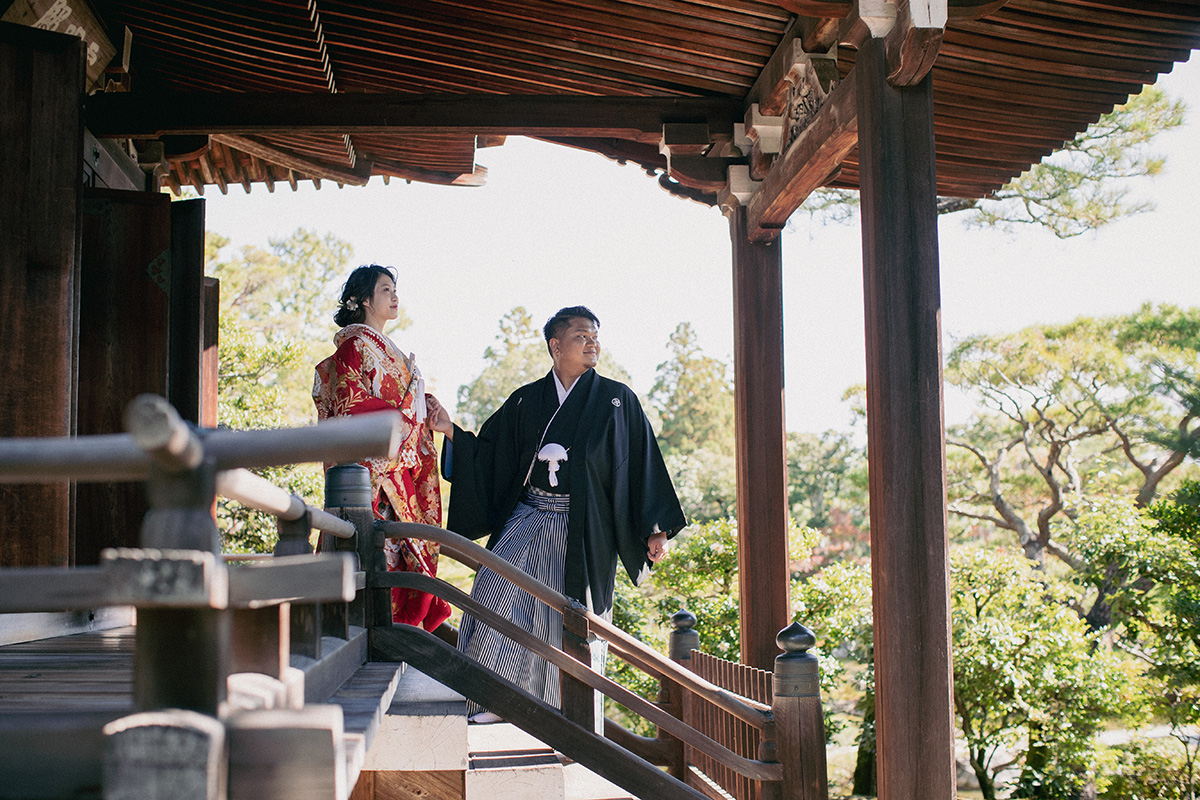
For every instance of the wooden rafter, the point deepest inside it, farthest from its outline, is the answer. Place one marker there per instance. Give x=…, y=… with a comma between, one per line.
x=395, y=169
x=355, y=176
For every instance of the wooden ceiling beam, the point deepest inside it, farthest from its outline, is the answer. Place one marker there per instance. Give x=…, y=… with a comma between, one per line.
x=135, y=115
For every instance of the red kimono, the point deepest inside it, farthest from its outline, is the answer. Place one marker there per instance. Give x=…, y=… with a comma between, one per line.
x=368, y=373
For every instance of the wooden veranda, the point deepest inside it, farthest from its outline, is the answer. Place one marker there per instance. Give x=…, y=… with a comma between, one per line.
x=746, y=104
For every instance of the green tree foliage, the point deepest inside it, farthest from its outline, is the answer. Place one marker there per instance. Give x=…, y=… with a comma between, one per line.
x=1028, y=678
x=1145, y=770
x=835, y=603
x=1149, y=559
x=275, y=324
x=824, y=471
x=518, y=357
x=1064, y=401
x=693, y=394
x=1095, y=406
x=693, y=397
x=1085, y=184
x=706, y=482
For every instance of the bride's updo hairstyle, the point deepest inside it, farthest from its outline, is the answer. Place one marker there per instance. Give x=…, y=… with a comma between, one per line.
x=358, y=287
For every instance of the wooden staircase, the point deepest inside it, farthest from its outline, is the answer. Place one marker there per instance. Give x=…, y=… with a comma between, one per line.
x=285, y=680
x=422, y=747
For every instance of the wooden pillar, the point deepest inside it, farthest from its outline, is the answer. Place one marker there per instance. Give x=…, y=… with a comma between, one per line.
x=187, y=322
x=209, y=358
x=41, y=147
x=914, y=721
x=761, y=460
x=123, y=325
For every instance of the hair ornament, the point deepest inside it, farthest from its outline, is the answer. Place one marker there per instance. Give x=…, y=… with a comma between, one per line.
x=351, y=304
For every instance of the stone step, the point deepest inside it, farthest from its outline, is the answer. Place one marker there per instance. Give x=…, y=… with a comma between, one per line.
x=578, y=782
x=424, y=728
x=424, y=747
x=514, y=774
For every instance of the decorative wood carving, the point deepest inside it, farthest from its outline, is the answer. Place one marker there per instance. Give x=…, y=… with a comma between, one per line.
x=807, y=163
x=810, y=79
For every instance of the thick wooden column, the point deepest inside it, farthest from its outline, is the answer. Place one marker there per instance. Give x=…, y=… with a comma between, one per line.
x=41, y=149
x=914, y=720
x=761, y=460
x=124, y=314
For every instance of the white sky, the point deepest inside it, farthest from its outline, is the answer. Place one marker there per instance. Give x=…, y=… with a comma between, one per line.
x=555, y=227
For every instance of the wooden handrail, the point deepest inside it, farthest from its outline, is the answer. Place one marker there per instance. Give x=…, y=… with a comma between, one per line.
x=116, y=457
x=454, y=669
x=257, y=492
x=756, y=714
x=757, y=770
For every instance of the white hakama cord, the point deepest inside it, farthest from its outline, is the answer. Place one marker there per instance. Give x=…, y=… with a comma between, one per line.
x=535, y=540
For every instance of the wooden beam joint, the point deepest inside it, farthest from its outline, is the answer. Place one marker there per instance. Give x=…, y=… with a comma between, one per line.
x=912, y=31
x=806, y=164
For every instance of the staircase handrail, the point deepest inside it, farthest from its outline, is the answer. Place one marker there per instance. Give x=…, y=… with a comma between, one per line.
x=604, y=757
x=756, y=770
x=255, y=491
x=754, y=713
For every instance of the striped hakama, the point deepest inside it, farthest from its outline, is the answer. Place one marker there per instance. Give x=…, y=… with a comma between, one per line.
x=535, y=540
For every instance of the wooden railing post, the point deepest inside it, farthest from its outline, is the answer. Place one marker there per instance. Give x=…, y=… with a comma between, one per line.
x=293, y=536
x=671, y=696
x=182, y=655
x=799, y=718
x=348, y=495
x=579, y=701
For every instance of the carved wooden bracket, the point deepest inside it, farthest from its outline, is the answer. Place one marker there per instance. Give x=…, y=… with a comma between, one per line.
x=806, y=164
x=912, y=30
x=819, y=126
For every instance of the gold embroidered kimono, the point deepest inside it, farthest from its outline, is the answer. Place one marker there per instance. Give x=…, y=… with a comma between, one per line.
x=368, y=373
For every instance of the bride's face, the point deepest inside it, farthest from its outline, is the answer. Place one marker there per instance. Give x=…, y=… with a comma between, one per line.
x=384, y=303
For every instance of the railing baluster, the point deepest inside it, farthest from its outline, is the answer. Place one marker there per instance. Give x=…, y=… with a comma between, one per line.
x=348, y=496
x=799, y=720
x=578, y=699
x=684, y=640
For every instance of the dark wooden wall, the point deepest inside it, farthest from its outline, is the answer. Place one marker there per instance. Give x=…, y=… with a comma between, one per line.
x=761, y=459
x=41, y=137
x=914, y=717
x=100, y=300
x=124, y=312
x=141, y=318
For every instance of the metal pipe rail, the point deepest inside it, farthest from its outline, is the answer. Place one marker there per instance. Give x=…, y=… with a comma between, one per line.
x=120, y=457
x=259, y=493
x=467, y=551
